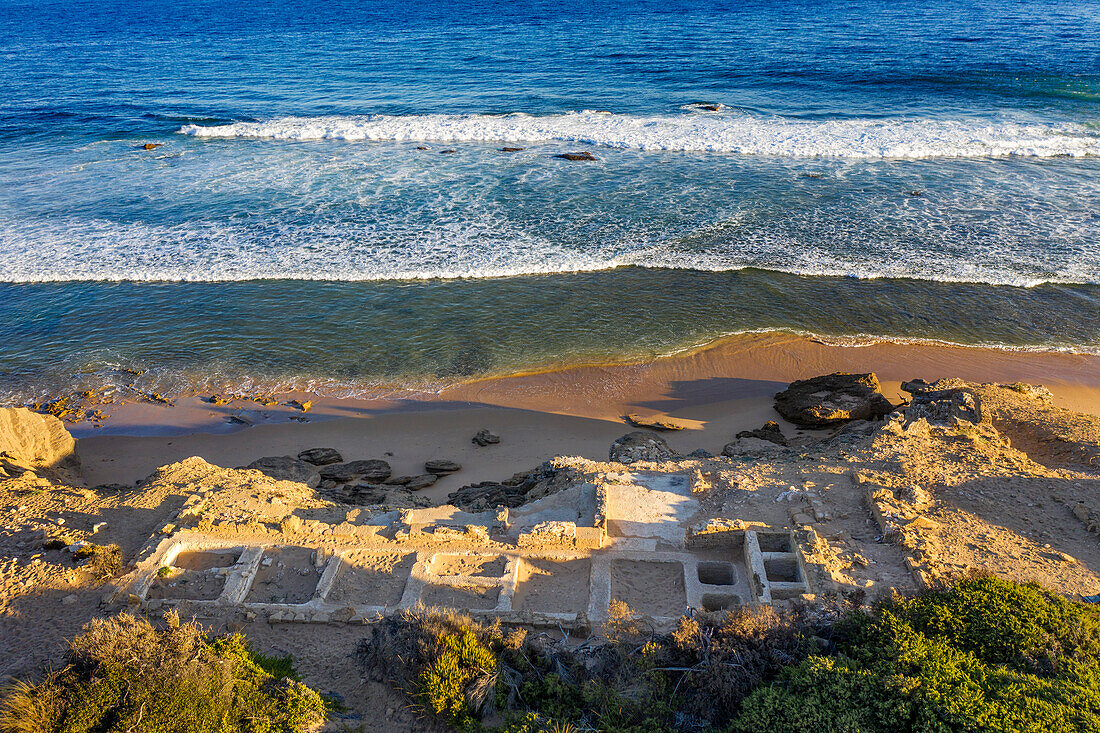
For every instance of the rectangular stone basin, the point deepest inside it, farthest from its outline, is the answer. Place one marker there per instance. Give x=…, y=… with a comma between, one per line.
x=371, y=578
x=649, y=587
x=552, y=586
x=285, y=575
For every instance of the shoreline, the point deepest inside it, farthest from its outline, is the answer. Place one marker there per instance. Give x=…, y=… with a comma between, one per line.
x=715, y=391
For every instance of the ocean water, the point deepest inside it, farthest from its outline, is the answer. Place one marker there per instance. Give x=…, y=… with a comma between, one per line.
x=858, y=169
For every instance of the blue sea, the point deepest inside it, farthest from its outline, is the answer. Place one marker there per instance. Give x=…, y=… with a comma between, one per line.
x=326, y=203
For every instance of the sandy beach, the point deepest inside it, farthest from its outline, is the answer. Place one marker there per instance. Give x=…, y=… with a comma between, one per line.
x=715, y=392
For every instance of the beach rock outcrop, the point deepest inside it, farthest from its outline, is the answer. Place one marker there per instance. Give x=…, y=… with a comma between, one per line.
x=833, y=399
x=441, y=467
x=640, y=446
x=35, y=441
x=484, y=438
x=548, y=478
x=942, y=403
x=372, y=470
x=321, y=456
x=652, y=423
x=285, y=468
x=769, y=432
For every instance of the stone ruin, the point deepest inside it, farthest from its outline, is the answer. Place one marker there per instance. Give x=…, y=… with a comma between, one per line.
x=560, y=561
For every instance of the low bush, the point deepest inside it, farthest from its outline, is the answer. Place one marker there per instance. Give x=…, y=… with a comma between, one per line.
x=985, y=655
x=125, y=675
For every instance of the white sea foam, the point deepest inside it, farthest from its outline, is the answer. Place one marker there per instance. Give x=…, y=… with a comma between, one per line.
x=736, y=132
x=98, y=250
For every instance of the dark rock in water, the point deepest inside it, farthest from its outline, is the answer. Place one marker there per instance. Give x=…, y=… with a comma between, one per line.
x=422, y=147
x=583, y=155
x=484, y=438
x=416, y=483
x=285, y=468
x=370, y=470
x=712, y=107
x=833, y=399
x=321, y=456
x=520, y=489
x=447, y=151
x=653, y=423
x=770, y=432
x=440, y=467
x=511, y=150
x=151, y=146
x=640, y=446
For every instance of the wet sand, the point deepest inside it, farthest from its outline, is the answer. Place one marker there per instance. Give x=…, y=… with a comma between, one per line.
x=714, y=391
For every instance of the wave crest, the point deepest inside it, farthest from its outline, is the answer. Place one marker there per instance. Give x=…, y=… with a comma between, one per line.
x=735, y=132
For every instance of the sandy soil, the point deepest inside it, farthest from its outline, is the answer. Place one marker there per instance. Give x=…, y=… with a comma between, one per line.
x=562, y=585
x=633, y=582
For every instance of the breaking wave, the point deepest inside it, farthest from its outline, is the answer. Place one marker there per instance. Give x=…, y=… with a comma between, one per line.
x=734, y=132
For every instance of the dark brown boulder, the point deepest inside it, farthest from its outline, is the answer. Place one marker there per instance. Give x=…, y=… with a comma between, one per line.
x=321, y=456
x=769, y=432
x=440, y=467
x=833, y=399
x=583, y=155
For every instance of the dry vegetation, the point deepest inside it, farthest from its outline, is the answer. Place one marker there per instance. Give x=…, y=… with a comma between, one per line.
x=125, y=675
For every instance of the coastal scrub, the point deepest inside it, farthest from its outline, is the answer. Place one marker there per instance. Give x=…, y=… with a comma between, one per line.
x=126, y=675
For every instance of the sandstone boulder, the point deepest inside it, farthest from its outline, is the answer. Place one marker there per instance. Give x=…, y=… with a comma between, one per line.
x=484, y=438
x=32, y=440
x=640, y=446
x=372, y=470
x=942, y=403
x=769, y=432
x=441, y=467
x=653, y=423
x=833, y=399
x=285, y=468
x=321, y=456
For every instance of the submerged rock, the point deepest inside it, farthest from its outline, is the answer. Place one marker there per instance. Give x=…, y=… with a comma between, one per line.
x=640, y=446
x=512, y=150
x=583, y=155
x=833, y=399
x=320, y=456
x=285, y=468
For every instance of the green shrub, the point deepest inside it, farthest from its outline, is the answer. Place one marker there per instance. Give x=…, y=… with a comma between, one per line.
x=456, y=683
x=126, y=675
x=985, y=655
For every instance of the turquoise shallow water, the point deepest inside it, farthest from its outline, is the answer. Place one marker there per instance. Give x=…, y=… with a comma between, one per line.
x=923, y=170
